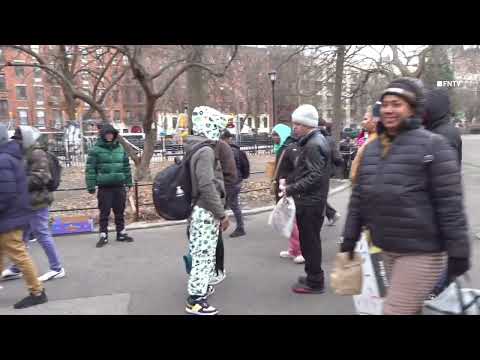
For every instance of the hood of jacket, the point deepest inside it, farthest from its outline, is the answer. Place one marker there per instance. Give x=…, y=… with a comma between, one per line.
x=107, y=128
x=208, y=122
x=191, y=141
x=437, y=108
x=13, y=148
x=28, y=135
x=283, y=132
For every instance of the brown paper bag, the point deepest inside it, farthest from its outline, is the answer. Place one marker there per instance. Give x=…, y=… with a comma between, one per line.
x=346, y=278
x=270, y=169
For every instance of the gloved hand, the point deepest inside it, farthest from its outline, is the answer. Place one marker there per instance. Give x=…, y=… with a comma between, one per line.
x=349, y=247
x=457, y=267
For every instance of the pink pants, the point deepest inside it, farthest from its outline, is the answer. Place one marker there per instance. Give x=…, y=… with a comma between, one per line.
x=294, y=242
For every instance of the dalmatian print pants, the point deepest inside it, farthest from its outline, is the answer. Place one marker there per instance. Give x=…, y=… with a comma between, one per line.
x=204, y=232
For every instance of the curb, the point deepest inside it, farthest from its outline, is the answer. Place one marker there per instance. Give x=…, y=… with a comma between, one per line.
x=260, y=210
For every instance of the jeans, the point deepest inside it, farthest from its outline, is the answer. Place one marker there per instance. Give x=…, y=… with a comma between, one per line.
x=12, y=245
x=309, y=221
x=233, y=202
x=38, y=225
x=112, y=198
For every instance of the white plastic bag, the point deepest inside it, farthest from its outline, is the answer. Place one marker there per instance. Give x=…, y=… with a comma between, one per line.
x=282, y=217
x=449, y=302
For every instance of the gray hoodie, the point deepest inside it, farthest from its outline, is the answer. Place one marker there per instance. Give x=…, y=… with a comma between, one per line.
x=207, y=178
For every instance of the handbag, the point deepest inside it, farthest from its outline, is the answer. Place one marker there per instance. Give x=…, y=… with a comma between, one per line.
x=346, y=278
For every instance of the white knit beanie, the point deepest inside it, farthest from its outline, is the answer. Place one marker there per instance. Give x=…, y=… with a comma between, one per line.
x=305, y=115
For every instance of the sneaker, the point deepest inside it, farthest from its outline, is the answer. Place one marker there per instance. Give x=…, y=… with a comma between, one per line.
x=299, y=259
x=300, y=288
x=302, y=280
x=238, y=233
x=31, y=300
x=52, y=274
x=286, y=254
x=199, y=307
x=103, y=240
x=8, y=274
x=218, y=278
x=331, y=222
x=123, y=236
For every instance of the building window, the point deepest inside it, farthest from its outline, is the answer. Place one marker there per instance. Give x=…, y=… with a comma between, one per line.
x=56, y=91
x=21, y=92
x=265, y=122
x=39, y=95
x=19, y=72
x=115, y=96
x=129, y=115
x=3, y=108
x=139, y=96
x=23, y=117
x=57, y=118
x=40, y=118
x=3, y=86
x=116, y=116
x=37, y=74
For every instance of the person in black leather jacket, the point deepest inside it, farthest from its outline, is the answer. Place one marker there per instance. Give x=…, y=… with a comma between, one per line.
x=309, y=187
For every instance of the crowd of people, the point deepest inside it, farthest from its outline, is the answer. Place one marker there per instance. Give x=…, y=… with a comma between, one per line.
x=407, y=196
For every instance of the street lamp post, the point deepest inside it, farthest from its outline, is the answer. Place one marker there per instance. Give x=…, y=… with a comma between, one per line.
x=273, y=77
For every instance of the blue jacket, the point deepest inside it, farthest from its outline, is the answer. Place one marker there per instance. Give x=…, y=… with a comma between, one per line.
x=14, y=198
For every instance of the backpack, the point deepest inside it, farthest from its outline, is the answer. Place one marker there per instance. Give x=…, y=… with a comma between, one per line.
x=172, y=188
x=55, y=171
x=244, y=165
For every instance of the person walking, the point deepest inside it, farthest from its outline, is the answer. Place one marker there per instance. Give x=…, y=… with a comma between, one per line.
x=233, y=191
x=14, y=216
x=108, y=168
x=39, y=176
x=286, y=152
x=309, y=188
x=408, y=193
x=325, y=128
x=208, y=218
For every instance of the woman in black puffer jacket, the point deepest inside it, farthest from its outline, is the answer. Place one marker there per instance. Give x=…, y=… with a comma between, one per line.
x=409, y=195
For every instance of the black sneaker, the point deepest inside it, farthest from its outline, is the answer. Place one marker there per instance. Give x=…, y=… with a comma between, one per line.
x=31, y=300
x=299, y=288
x=237, y=233
x=124, y=237
x=199, y=307
x=103, y=240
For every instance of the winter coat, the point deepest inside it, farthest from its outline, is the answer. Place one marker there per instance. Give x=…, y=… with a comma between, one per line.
x=337, y=159
x=38, y=177
x=208, y=189
x=286, y=167
x=14, y=199
x=107, y=163
x=224, y=153
x=408, y=193
x=311, y=177
x=238, y=166
x=437, y=119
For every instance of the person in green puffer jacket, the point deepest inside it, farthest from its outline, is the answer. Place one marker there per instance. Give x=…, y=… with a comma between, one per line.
x=108, y=168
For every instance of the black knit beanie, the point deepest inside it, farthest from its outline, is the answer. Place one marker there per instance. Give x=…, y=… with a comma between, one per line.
x=410, y=89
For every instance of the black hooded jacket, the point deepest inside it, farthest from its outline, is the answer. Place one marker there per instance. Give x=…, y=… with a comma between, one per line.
x=437, y=119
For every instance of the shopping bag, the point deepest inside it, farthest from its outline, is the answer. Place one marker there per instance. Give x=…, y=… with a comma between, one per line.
x=282, y=217
x=346, y=277
x=374, y=279
x=454, y=300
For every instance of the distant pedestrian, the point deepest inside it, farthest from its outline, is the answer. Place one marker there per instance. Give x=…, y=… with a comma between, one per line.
x=286, y=152
x=408, y=193
x=309, y=188
x=39, y=175
x=208, y=219
x=108, y=168
x=14, y=216
x=233, y=191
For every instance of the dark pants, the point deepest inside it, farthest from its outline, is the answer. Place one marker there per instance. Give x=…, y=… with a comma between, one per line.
x=233, y=202
x=112, y=198
x=219, y=254
x=309, y=222
x=330, y=211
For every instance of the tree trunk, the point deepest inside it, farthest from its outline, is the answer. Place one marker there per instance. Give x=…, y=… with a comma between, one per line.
x=338, y=112
x=143, y=172
x=196, y=88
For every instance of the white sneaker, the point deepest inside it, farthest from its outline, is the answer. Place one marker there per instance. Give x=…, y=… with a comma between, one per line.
x=50, y=275
x=334, y=220
x=286, y=254
x=219, y=278
x=299, y=259
x=8, y=274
